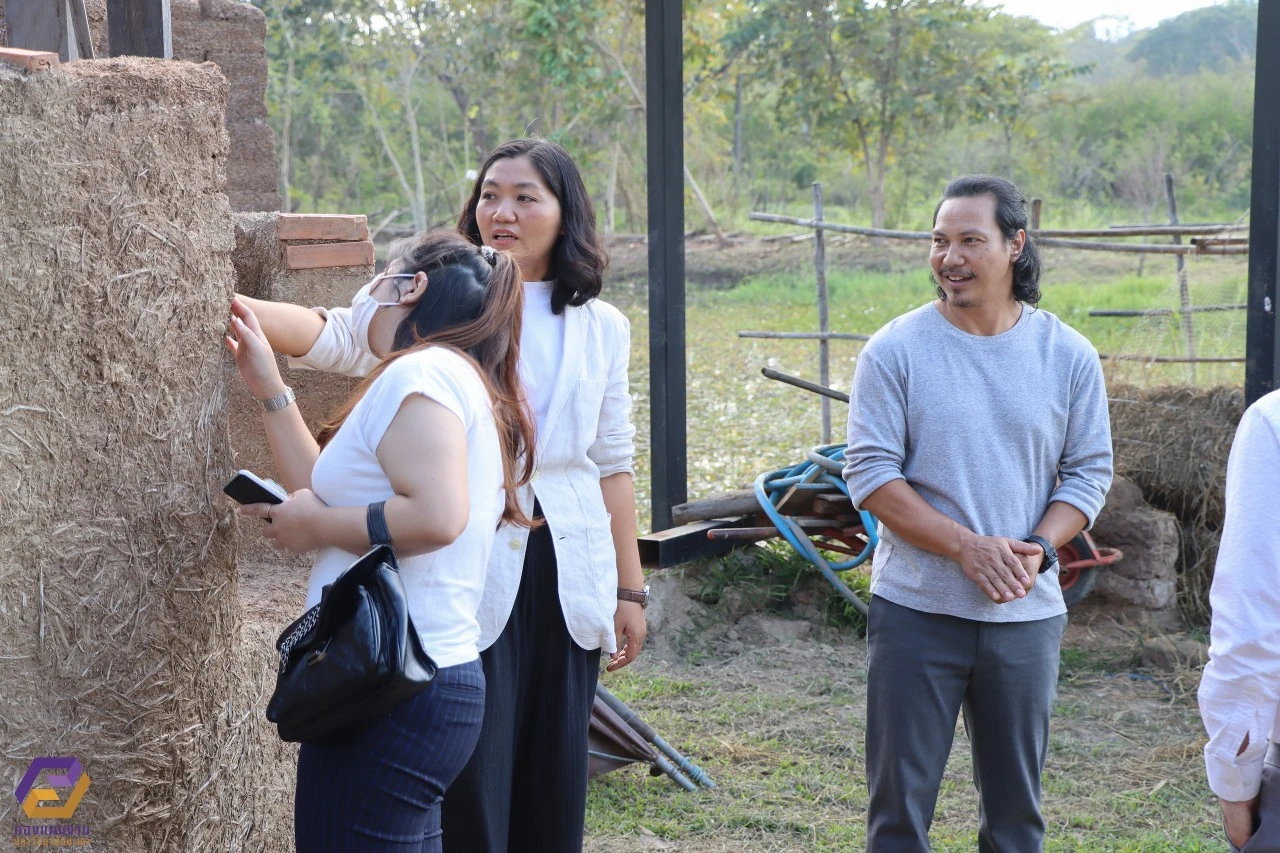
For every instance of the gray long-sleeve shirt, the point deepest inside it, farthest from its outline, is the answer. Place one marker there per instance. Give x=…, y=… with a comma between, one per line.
x=981, y=427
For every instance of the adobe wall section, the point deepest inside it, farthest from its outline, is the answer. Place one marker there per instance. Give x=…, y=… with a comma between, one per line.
x=234, y=38
x=118, y=579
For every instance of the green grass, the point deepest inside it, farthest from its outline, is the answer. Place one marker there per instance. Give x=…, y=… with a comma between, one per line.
x=784, y=743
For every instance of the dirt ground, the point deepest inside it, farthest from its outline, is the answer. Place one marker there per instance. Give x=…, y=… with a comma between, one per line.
x=773, y=708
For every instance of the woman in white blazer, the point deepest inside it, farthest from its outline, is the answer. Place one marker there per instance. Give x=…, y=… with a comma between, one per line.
x=555, y=596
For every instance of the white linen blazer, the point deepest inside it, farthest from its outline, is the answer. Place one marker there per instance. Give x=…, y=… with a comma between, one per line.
x=587, y=435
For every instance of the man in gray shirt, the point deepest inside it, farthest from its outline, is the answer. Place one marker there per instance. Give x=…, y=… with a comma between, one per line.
x=979, y=437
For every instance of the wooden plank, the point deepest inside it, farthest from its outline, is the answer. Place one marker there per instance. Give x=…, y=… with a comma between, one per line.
x=321, y=226
x=79, y=18
x=742, y=502
x=677, y=545
x=140, y=28
x=329, y=255
x=833, y=503
x=796, y=501
x=31, y=60
x=37, y=25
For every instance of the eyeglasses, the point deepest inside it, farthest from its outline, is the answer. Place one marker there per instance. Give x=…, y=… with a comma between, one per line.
x=378, y=279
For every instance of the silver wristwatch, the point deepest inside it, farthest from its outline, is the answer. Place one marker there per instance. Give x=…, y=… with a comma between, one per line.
x=279, y=401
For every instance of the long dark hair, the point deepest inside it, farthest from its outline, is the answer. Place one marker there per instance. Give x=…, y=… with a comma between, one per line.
x=475, y=307
x=1011, y=216
x=578, y=258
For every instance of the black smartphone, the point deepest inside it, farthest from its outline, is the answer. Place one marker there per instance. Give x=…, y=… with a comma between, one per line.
x=248, y=488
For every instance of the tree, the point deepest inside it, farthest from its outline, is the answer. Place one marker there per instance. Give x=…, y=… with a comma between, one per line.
x=1019, y=81
x=873, y=77
x=1213, y=38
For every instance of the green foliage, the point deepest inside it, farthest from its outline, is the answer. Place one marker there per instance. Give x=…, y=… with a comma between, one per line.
x=382, y=106
x=768, y=576
x=1215, y=38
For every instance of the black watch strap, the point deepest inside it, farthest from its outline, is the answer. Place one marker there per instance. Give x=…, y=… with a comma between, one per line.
x=375, y=520
x=1050, y=553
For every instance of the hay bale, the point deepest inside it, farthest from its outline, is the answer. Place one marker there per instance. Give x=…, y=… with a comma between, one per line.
x=1173, y=442
x=117, y=586
x=234, y=38
x=1147, y=577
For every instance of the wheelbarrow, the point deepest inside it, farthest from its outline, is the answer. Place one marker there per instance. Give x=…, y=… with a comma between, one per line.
x=1079, y=562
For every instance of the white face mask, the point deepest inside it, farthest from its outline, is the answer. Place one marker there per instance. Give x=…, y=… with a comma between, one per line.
x=363, y=307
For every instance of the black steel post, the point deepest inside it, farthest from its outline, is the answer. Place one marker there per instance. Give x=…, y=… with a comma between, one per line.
x=1262, y=345
x=664, y=84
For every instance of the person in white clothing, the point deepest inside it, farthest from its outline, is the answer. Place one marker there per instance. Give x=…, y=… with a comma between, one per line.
x=557, y=596
x=1240, y=689
x=428, y=456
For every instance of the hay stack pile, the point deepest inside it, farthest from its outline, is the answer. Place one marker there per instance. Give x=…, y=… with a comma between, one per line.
x=1173, y=442
x=234, y=38
x=117, y=577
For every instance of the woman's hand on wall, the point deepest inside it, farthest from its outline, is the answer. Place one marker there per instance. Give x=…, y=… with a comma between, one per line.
x=254, y=356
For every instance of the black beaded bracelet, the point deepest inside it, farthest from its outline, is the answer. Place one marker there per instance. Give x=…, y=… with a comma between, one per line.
x=376, y=522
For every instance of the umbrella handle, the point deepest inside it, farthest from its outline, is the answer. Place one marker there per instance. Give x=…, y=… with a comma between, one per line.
x=680, y=779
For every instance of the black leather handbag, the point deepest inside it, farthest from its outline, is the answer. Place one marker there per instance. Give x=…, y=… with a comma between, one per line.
x=350, y=659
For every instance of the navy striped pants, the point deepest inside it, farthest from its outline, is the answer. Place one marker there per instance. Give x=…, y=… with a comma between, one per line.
x=381, y=790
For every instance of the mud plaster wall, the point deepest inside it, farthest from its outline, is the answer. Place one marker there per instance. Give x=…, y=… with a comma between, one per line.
x=234, y=38
x=118, y=586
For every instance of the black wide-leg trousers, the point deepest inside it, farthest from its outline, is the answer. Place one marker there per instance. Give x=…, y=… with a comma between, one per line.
x=525, y=788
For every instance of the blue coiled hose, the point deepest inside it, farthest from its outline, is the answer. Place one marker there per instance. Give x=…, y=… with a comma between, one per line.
x=819, y=472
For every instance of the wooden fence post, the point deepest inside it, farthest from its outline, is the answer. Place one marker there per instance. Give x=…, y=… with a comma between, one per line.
x=1036, y=206
x=824, y=321
x=56, y=26
x=1184, y=289
x=139, y=28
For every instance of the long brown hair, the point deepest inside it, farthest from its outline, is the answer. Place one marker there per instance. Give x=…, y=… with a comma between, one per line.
x=473, y=304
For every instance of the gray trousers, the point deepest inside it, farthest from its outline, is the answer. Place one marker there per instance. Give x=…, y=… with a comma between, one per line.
x=923, y=668
x=1266, y=838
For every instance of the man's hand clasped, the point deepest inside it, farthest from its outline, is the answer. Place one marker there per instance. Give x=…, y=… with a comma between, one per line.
x=1004, y=569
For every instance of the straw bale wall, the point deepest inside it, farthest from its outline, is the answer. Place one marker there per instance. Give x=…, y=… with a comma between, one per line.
x=234, y=38
x=118, y=583
x=1173, y=442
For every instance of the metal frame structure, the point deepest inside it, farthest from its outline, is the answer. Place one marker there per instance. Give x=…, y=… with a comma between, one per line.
x=664, y=83
x=1262, y=344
